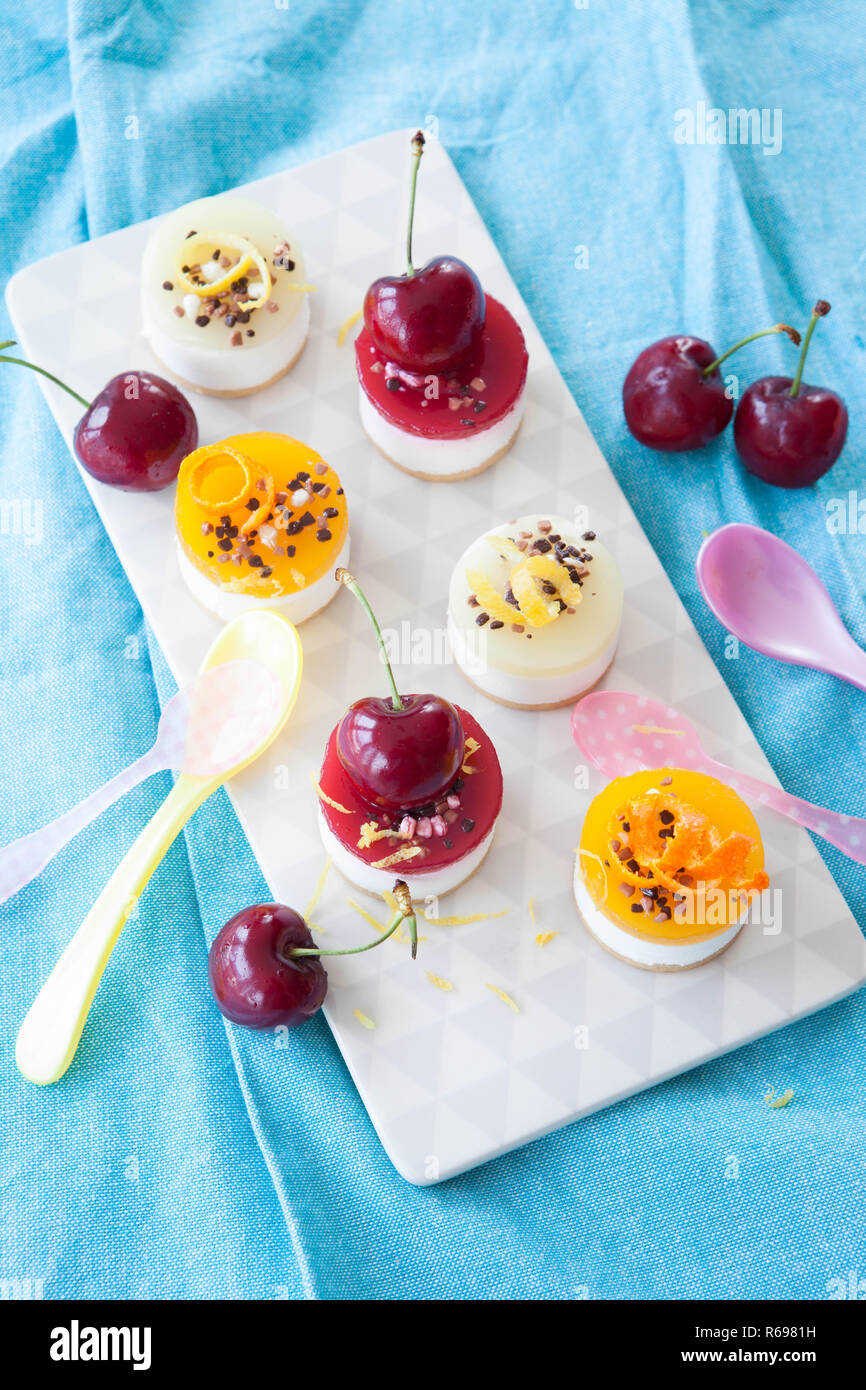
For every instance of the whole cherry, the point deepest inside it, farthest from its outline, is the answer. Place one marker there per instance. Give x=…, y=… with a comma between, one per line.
x=428, y=320
x=135, y=434
x=256, y=976
x=402, y=752
x=674, y=396
x=265, y=969
x=788, y=433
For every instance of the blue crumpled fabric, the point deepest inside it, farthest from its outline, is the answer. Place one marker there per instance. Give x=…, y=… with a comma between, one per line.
x=178, y=1159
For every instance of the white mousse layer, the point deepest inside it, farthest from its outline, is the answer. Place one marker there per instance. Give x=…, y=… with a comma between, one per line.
x=527, y=690
x=226, y=605
x=431, y=884
x=440, y=458
x=230, y=369
x=650, y=955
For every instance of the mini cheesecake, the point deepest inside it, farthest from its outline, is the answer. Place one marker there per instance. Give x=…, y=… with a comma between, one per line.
x=534, y=610
x=432, y=848
x=667, y=863
x=449, y=425
x=224, y=296
x=261, y=522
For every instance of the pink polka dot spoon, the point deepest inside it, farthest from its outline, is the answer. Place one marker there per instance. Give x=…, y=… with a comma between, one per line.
x=621, y=733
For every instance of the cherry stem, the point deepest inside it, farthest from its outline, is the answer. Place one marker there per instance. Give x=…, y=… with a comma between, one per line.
x=417, y=151
x=344, y=577
x=403, y=913
x=777, y=328
x=820, y=309
x=21, y=362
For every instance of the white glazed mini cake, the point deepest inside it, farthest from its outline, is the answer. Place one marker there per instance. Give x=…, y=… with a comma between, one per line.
x=222, y=300
x=534, y=611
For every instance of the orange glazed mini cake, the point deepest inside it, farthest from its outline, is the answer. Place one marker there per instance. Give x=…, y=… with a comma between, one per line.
x=261, y=522
x=667, y=863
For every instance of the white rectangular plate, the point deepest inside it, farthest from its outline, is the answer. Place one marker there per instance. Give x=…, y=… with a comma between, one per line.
x=450, y=1078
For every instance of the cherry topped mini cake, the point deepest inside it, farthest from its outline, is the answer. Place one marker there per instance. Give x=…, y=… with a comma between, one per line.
x=223, y=295
x=667, y=862
x=410, y=785
x=441, y=367
x=261, y=522
x=534, y=610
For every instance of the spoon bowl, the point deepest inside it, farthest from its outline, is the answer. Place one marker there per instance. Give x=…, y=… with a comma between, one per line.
x=768, y=596
x=267, y=651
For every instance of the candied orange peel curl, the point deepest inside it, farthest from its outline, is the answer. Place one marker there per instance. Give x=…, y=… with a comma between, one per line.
x=205, y=462
x=676, y=846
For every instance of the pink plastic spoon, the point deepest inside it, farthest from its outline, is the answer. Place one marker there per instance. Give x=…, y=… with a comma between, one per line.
x=622, y=733
x=766, y=594
x=205, y=728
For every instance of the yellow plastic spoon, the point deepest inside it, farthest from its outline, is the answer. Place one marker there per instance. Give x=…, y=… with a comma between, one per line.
x=49, y=1035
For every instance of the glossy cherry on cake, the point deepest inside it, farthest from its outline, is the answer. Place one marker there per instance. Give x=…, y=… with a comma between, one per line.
x=441, y=366
x=788, y=433
x=674, y=396
x=403, y=752
x=427, y=320
x=135, y=434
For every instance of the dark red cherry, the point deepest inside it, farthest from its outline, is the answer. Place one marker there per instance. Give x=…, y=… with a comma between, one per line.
x=789, y=440
x=674, y=396
x=254, y=977
x=136, y=433
x=399, y=759
x=786, y=432
x=430, y=321
x=401, y=752
x=669, y=404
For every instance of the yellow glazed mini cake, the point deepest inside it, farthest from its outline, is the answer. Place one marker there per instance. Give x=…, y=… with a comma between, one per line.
x=667, y=862
x=224, y=299
x=534, y=610
x=261, y=522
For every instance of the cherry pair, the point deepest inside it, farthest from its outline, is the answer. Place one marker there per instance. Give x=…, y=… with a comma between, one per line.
x=785, y=432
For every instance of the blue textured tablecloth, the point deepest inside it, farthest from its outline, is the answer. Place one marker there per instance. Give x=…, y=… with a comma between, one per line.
x=164, y=1165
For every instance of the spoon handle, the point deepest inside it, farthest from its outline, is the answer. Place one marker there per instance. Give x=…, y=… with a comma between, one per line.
x=50, y=1032
x=847, y=833
x=26, y=857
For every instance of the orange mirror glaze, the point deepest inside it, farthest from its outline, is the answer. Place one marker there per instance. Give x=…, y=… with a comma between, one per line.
x=276, y=547
x=726, y=814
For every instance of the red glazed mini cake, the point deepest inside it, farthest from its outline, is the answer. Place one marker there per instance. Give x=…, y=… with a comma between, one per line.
x=441, y=367
x=410, y=787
